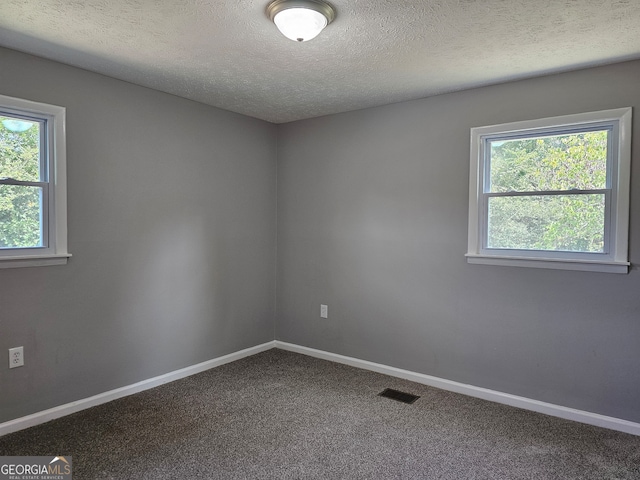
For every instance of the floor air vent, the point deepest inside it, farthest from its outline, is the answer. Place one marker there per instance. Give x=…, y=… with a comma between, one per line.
x=399, y=396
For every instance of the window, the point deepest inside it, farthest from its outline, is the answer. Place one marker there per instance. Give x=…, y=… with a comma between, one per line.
x=552, y=193
x=33, y=200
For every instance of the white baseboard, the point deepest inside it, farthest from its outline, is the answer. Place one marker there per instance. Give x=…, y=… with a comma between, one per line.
x=473, y=391
x=69, y=408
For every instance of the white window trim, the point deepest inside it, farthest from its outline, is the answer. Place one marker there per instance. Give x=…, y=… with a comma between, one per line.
x=617, y=259
x=57, y=253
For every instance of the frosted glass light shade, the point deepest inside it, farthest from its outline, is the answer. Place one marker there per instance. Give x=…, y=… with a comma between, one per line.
x=300, y=24
x=301, y=20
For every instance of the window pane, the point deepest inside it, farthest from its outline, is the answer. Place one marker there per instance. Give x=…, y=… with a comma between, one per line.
x=571, y=223
x=559, y=162
x=19, y=149
x=20, y=216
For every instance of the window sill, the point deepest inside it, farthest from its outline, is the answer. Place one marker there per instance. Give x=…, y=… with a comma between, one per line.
x=34, y=260
x=552, y=263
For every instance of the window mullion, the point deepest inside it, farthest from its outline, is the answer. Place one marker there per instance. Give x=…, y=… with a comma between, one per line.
x=22, y=183
x=548, y=193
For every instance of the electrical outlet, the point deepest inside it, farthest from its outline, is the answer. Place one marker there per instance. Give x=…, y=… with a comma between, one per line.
x=324, y=311
x=16, y=357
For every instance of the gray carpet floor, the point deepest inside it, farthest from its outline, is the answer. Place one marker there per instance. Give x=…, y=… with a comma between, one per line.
x=280, y=415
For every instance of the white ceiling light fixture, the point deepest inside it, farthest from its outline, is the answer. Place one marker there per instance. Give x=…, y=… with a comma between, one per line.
x=301, y=20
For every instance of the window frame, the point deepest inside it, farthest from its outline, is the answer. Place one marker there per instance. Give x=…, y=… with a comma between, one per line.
x=615, y=257
x=54, y=187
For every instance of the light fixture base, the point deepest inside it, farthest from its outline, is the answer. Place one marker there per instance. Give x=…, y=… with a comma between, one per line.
x=324, y=8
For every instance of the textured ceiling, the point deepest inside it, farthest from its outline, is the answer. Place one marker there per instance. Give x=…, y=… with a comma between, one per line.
x=228, y=54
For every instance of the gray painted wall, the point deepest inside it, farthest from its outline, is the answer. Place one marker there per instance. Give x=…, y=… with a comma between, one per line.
x=172, y=214
x=372, y=220
x=172, y=224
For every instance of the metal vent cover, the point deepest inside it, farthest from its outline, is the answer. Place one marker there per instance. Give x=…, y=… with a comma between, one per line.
x=398, y=395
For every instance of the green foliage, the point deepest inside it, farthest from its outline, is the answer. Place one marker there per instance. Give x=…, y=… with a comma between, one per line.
x=561, y=223
x=19, y=205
